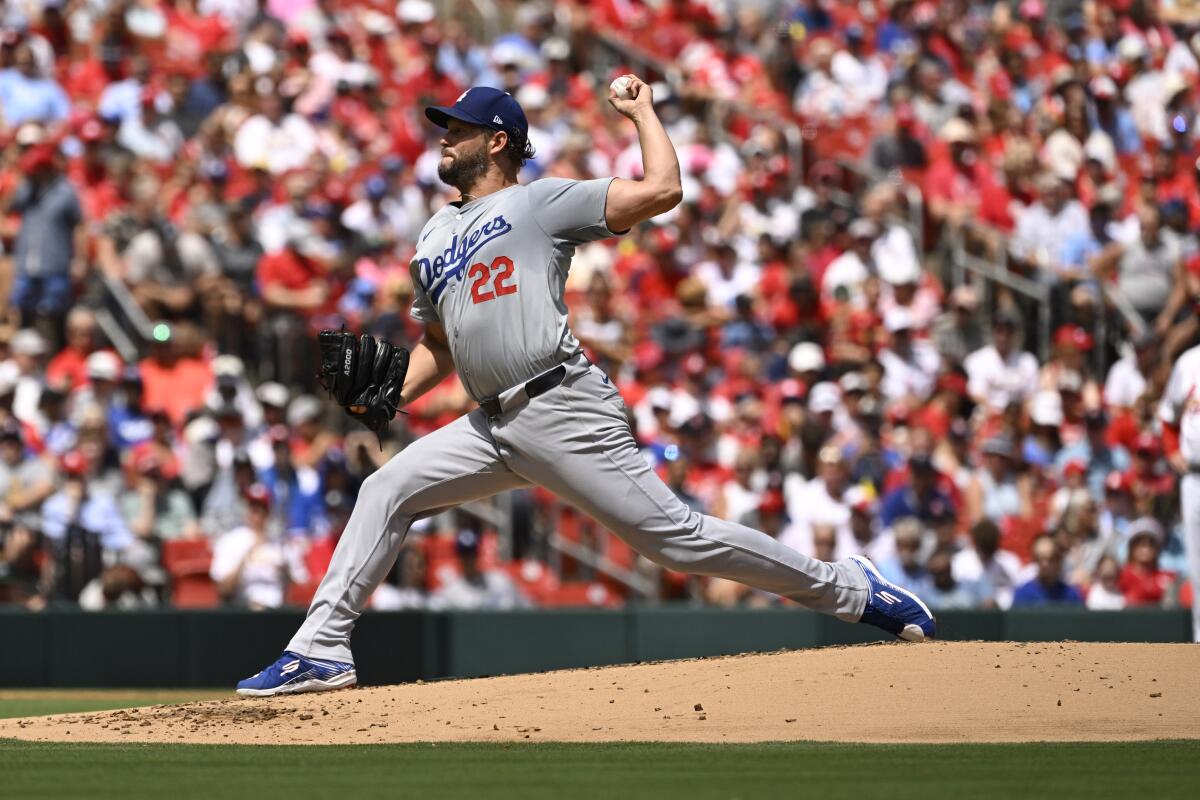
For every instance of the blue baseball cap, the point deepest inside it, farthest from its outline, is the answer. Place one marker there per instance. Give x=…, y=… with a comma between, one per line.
x=485, y=106
x=376, y=187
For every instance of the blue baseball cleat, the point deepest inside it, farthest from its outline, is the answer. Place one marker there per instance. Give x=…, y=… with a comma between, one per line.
x=895, y=610
x=294, y=673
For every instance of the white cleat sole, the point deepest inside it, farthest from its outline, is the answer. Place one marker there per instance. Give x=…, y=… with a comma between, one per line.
x=343, y=681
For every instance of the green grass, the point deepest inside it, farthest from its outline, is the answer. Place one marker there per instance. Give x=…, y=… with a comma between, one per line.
x=1158, y=770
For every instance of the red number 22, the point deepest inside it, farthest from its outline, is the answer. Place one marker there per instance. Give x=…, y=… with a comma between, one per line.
x=502, y=285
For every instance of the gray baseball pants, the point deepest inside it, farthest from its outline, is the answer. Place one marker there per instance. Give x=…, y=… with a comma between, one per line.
x=575, y=441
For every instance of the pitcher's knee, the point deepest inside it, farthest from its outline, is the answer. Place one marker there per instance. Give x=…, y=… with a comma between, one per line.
x=667, y=560
x=680, y=550
x=385, y=490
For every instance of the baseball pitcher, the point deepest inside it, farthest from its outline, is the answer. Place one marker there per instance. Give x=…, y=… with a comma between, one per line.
x=489, y=275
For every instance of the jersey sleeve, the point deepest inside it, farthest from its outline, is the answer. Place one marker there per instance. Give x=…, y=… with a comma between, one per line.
x=423, y=309
x=572, y=211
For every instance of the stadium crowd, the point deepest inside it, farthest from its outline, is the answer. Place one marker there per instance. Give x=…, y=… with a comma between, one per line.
x=794, y=352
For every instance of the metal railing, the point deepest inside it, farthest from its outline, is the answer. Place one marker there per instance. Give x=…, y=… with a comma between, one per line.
x=968, y=267
x=987, y=274
x=121, y=318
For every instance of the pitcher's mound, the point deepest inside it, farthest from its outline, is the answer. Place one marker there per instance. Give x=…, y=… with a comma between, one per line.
x=940, y=692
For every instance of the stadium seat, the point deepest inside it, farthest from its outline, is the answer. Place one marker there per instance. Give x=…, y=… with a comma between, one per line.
x=187, y=561
x=534, y=579
x=593, y=594
x=194, y=591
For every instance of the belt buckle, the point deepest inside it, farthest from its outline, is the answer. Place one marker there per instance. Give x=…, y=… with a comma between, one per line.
x=491, y=406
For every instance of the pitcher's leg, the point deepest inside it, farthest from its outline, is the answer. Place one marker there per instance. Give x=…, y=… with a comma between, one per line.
x=1189, y=502
x=585, y=453
x=448, y=467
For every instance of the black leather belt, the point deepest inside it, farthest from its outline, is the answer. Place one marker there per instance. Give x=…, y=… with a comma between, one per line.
x=539, y=385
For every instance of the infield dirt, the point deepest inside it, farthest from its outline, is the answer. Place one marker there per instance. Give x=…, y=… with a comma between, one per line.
x=938, y=692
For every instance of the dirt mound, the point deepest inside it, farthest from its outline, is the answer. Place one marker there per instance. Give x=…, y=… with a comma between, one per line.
x=941, y=692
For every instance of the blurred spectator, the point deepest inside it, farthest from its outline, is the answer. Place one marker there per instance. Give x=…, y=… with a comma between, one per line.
x=1142, y=581
x=475, y=587
x=299, y=284
x=919, y=496
x=901, y=148
x=149, y=134
x=986, y=565
x=25, y=481
x=252, y=567
x=82, y=525
x=819, y=502
x=69, y=365
x=225, y=506
x=850, y=270
x=1105, y=592
x=151, y=507
x=956, y=176
x=996, y=490
x=1045, y=227
x=957, y=332
x=50, y=242
x=1126, y=380
x=118, y=588
x=909, y=364
x=999, y=373
x=1146, y=266
x=942, y=590
x=1048, y=586
x=21, y=576
x=404, y=588
x=1099, y=456
x=128, y=422
x=907, y=567
x=26, y=95
x=175, y=379
x=740, y=497
x=143, y=248
x=295, y=488
x=863, y=523
x=26, y=370
x=275, y=139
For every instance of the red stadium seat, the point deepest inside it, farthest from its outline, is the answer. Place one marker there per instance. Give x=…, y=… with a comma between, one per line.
x=187, y=561
x=187, y=556
x=194, y=591
x=534, y=579
x=593, y=594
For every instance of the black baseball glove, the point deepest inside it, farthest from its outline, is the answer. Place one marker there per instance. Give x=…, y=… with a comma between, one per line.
x=363, y=373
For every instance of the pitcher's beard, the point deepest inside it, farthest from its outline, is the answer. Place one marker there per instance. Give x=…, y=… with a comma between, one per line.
x=463, y=171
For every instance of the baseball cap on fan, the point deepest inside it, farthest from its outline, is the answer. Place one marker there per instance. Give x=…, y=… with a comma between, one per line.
x=484, y=106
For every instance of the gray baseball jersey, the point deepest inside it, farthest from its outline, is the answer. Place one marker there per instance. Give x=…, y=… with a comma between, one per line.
x=493, y=272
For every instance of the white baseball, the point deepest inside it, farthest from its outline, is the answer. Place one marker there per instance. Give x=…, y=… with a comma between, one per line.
x=621, y=87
